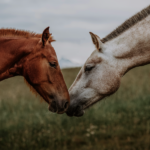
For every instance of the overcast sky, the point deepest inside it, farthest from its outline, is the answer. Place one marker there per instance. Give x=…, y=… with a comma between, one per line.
x=70, y=20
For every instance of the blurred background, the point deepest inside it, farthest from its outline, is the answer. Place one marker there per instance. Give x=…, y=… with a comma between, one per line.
x=70, y=21
x=119, y=122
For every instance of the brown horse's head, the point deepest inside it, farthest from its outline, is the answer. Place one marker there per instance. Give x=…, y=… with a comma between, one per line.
x=42, y=72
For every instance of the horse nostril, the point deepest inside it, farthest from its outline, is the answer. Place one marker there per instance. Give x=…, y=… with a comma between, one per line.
x=77, y=108
x=66, y=105
x=54, y=105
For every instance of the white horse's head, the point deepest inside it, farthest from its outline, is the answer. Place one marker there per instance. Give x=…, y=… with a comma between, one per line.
x=97, y=79
x=125, y=48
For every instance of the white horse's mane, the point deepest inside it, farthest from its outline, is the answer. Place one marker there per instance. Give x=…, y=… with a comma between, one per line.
x=128, y=24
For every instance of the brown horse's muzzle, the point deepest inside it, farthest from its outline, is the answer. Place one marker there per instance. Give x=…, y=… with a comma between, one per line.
x=59, y=107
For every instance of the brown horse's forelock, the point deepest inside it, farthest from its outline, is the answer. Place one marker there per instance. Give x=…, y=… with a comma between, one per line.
x=21, y=34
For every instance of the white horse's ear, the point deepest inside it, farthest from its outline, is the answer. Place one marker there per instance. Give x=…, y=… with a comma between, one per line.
x=96, y=41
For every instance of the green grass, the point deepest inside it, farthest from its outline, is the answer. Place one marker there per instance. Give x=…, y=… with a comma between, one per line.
x=119, y=122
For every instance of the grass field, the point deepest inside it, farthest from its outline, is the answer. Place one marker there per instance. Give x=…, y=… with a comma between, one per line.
x=119, y=122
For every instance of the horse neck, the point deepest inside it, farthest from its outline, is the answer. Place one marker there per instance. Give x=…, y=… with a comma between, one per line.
x=12, y=51
x=131, y=48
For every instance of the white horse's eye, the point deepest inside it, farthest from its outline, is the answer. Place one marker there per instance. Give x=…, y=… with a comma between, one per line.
x=89, y=68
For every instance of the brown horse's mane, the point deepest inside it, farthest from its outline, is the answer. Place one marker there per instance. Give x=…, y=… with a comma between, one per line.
x=127, y=24
x=21, y=34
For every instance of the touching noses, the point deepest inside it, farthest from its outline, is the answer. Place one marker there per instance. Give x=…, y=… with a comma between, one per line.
x=59, y=106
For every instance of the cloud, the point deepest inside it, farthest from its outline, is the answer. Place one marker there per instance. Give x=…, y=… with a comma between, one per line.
x=69, y=21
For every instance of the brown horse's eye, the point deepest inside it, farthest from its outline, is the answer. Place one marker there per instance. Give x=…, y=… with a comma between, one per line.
x=52, y=64
x=89, y=68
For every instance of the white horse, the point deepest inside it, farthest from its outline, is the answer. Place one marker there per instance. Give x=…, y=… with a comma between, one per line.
x=125, y=48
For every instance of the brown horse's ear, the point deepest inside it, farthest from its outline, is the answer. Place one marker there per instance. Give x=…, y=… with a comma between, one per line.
x=96, y=41
x=45, y=36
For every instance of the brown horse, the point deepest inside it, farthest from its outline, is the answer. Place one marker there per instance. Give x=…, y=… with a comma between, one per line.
x=32, y=56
